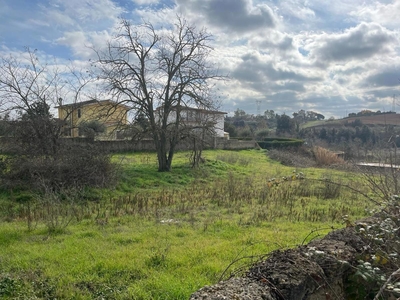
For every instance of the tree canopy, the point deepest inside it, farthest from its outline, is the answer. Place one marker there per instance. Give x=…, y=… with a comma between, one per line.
x=158, y=73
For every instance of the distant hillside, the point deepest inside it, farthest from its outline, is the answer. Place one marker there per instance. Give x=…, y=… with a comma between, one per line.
x=382, y=119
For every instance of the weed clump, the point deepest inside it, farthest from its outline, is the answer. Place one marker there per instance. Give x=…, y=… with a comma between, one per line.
x=27, y=285
x=234, y=158
x=324, y=157
x=304, y=157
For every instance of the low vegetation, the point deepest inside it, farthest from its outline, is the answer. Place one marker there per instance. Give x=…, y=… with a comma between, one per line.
x=279, y=143
x=158, y=235
x=324, y=157
x=73, y=167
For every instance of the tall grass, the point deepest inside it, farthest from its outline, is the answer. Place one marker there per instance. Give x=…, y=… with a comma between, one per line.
x=287, y=198
x=142, y=241
x=324, y=157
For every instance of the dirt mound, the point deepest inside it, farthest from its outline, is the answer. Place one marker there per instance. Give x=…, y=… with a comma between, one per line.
x=316, y=271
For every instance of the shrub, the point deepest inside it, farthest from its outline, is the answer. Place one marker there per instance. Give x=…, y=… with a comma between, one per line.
x=273, y=143
x=91, y=129
x=245, y=133
x=75, y=167
x=262, y=134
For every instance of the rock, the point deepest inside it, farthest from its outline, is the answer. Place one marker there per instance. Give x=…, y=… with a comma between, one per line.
x=234, y=289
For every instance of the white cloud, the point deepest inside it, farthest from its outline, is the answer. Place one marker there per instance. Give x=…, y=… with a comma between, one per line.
x=146, y=2
x=237, y=16
x=81, y=43
x=385, y=14
x=298, y=10
x=326, y=55
x=359, y=43
x=82, y=12
x=75, y=40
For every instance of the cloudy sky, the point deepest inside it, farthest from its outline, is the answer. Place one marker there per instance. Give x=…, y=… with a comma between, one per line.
x=332, y=57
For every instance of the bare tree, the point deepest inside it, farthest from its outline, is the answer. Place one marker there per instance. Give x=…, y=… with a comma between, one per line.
x=200, y=133
x=156, y=73
x=28, y=91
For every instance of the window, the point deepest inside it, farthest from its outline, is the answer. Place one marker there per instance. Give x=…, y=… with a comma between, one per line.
x=79, y=113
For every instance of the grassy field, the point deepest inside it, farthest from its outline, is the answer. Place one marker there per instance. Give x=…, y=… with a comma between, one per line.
x=165, y=235
x=382, y=120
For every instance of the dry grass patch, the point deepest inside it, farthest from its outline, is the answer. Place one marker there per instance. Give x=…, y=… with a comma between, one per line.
x=325, y=157
x=300, y=157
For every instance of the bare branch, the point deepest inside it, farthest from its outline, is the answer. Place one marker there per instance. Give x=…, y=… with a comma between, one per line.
x=156, y=73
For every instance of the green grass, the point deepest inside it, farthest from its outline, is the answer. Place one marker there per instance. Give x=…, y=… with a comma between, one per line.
x=310, y=124
x=140, y=170
x=143, y=260
x=165, y=235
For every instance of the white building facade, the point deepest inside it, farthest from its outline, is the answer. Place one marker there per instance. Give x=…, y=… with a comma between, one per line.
x=197, y=118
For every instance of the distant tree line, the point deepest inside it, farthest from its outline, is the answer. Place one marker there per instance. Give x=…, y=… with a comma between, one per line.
x=243, y=125
x=353, y=137
x=353, y=132
x=366, y=112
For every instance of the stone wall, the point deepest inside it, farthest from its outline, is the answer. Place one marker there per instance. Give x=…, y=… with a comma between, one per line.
x=6, y=145
x=148, y=145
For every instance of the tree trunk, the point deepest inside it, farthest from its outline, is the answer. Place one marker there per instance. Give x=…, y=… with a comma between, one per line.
x=170, y=155
x=164, y=164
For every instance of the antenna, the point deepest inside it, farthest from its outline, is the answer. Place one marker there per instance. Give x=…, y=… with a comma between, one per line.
x=258, y=102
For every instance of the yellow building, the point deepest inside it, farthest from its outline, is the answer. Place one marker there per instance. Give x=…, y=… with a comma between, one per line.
x=109, y=113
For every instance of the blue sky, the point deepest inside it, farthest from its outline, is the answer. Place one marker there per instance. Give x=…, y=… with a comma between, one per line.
x=333, y=57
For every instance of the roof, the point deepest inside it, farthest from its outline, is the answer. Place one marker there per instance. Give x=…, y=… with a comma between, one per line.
x=89, y=102
x=196, y=109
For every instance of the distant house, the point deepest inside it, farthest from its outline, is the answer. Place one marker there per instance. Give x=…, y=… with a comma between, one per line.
x=109, y=113
x=199, y=118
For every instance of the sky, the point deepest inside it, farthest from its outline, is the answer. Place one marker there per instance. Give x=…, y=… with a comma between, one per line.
x=331, y=57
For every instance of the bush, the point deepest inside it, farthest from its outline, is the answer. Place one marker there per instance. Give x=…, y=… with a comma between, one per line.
x=91, y=129
x=262, y=134
x=245, y=133
x=75, y=167
x=273, y=143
